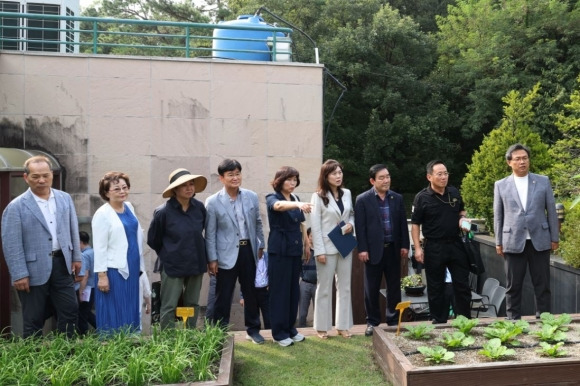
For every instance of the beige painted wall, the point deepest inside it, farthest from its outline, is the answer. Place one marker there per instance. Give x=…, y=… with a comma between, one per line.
x=148, y=116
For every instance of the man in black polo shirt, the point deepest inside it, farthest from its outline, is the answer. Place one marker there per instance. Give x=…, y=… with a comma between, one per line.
x=439, y=210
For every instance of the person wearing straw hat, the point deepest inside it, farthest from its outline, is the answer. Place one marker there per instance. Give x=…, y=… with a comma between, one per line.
x=176, y=235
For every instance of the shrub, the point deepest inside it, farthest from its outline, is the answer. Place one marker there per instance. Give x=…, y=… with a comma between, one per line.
x=570, y=238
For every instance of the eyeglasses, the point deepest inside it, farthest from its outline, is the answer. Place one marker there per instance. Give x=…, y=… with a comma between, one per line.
x=121, y=189
x=442, y=174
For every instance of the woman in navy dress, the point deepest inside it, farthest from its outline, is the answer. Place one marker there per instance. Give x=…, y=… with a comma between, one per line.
x=285, y=248
x=117, y=242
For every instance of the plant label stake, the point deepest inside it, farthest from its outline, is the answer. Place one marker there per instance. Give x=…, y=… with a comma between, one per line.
x=401, y=307
x=184, y=313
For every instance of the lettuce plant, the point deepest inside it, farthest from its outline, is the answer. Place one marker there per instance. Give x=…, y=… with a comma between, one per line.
x=463, y=324
x=506, y=331
x=550, y=333
x=553, y=351
x=436, y=354
x=494, y=350
x=456, y=339
x=420, y=331
x=559, y=321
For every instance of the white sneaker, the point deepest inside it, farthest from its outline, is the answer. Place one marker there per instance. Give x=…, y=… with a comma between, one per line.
x=285, y=342
x=298, y=337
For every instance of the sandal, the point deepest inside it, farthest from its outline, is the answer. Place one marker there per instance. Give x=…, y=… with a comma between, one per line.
x=322, y=334
x=344, y=333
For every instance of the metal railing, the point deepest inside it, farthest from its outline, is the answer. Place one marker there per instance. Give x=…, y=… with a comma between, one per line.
x=127, y=36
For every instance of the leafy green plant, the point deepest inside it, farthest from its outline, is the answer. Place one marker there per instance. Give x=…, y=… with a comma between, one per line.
x=525, y=326
x=420, y=331
x=494, y=350
x=559, y=321
x=549, y=333
x=436, y=354
x=549, y=350
x=115, y=359
x=456, y=339
x=463, y=324
x=414, y=280
x=506, y=331
x=570, y=242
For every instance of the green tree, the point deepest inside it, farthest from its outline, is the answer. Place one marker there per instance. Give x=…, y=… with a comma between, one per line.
x=423, y=12
x=488, y=47
x=488, y=164
x=389, y=112
x=160, y=10
x=566, y=151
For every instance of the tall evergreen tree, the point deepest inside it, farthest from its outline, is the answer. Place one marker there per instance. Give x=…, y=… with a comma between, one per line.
x=488, y=164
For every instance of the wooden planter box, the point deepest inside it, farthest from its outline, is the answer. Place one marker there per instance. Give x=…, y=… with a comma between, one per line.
x=226, y=371
x=400, y=372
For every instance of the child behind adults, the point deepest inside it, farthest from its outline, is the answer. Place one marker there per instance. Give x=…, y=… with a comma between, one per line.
x=144, y=296
x=307, y=284
x=261, y=290
x=84, y=284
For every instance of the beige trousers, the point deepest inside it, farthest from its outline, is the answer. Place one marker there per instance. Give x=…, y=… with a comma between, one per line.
x=339, y=267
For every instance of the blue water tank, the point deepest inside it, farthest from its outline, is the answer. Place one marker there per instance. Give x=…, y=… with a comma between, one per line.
x=261, y=37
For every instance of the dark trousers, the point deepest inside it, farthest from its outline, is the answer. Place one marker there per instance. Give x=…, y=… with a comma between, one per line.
x=441, y=254
x=263, y=299
x=210, y=298
x=284, y=279
x=86, y=315
x=515, y=267
x=307, y=296
x=390, y=268
x=245, y=271
x=57, y=292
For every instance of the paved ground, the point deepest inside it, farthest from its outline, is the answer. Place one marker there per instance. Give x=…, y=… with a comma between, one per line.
x=309, y=332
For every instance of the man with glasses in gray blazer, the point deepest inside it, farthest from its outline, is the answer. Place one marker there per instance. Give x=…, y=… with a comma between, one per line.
x=526, y=230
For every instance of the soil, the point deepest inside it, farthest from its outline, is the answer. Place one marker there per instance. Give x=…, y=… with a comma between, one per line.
x=470, y=355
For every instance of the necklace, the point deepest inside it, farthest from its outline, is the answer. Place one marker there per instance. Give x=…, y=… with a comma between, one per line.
x=449, y=201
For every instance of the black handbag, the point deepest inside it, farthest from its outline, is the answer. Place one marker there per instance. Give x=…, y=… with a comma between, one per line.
x=472, y=251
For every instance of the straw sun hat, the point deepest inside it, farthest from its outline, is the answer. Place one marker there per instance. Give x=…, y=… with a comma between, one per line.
x=181, y=176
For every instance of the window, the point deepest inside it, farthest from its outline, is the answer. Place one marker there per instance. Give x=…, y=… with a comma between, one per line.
x=8, y=33
x=70, y=35
x=43, y=31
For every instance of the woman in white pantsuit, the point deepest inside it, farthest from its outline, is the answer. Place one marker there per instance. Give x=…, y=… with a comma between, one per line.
x=331, y=205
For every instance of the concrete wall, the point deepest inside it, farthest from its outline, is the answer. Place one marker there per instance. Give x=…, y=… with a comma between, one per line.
x=149, y=116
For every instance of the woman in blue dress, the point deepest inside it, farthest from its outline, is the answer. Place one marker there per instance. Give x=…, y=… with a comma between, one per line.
x=117, y=243
x=285, y=249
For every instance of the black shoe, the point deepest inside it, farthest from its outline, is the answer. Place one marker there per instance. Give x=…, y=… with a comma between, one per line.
x=255, y=337
x=369, y=330
x=392, y=323
x=437, y=322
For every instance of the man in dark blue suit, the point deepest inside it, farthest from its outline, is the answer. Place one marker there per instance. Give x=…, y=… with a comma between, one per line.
x=383, y=241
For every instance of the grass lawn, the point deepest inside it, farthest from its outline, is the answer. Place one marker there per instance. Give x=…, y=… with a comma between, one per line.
x=336, y=361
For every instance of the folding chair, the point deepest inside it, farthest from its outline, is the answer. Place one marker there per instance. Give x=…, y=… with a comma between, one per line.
x=489, y=287
x=491, y=309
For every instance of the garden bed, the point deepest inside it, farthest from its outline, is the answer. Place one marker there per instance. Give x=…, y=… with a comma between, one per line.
x=166, y=357
x=403, y=365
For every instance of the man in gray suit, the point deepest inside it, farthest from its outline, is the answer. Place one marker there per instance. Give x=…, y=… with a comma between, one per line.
x=40, y=239
x=234, y=243
x=526, y=229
